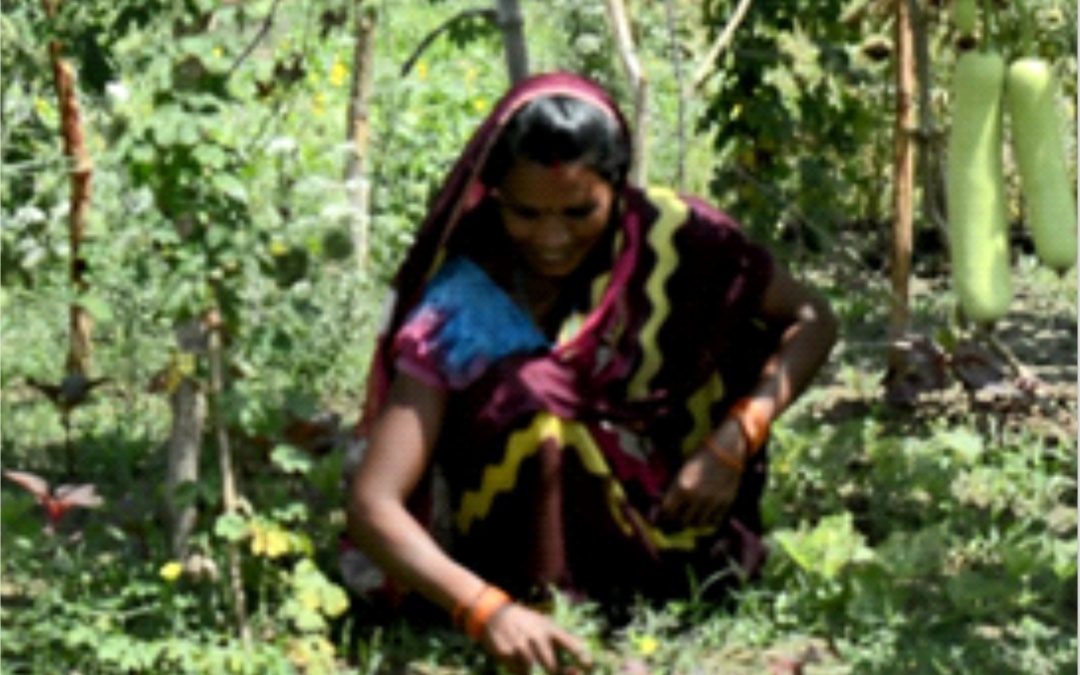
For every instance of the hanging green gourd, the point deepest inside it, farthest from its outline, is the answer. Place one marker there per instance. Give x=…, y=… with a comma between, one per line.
x=965, y=16
x=978, y=230
x=1050, y=207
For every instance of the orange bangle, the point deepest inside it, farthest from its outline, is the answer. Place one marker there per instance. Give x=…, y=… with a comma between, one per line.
x=480, y=610
x=753, y=422
x=458, y=615
x=723, y=455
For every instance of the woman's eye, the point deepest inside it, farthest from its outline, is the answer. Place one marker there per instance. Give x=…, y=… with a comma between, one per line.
x=578, y=212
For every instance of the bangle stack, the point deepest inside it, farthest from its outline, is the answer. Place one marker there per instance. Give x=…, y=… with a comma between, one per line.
x=753, y=421
x=754, y=425
x=474, y=616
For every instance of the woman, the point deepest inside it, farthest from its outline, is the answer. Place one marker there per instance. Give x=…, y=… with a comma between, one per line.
x=592, y=370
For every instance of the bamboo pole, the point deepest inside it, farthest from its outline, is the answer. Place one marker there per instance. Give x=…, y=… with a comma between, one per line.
x=903, y=179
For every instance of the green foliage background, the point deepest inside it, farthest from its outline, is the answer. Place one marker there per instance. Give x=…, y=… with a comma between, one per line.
x=217, y=132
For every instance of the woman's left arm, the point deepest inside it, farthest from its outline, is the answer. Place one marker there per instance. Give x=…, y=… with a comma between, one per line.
x=804, y=345
x=708, y=481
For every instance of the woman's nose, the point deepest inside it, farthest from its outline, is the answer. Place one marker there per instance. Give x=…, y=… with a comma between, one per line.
x=551, y=232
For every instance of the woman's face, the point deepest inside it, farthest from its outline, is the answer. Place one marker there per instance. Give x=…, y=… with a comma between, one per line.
x=555, y=215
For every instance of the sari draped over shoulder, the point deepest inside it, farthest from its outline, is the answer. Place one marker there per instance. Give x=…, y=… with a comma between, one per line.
x=556, y=453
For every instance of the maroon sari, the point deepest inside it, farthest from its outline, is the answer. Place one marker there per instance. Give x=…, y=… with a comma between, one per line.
x=556, y=460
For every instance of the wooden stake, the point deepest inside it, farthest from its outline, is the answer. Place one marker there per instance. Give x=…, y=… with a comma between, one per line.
x=228, y=476
x=358, y=132
x=903, y=178
x=82, y=170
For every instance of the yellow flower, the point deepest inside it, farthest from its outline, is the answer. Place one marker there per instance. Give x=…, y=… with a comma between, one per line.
x=218, y=52
x=318, y=104
x=421, y=70
x=42, y=106
x=480, y=104
x=339, y=74
x=646, y=645
x=272, y=542
x=171, y=571
x=470, y=75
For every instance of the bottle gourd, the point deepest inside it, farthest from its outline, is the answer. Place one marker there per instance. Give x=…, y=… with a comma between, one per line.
x=1049, y=204
x=975, y=186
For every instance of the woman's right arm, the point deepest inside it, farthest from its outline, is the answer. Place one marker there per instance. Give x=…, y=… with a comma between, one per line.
x=399, y=451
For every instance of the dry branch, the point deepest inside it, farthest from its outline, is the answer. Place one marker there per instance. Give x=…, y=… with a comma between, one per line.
x=487, y=14
x=624, y=40
x=722, y=41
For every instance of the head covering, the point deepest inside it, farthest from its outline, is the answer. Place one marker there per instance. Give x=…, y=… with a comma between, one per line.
x=460, y=192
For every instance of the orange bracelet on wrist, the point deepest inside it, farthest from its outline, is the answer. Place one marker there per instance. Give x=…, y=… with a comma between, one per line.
x=476, y=614
x=723, y=455
x=753, y=422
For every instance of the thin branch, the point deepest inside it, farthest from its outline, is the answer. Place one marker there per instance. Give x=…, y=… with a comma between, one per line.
x=625, y=41
x=228, y=476
x=722, y=42
x=488, y=14
x=267, y=23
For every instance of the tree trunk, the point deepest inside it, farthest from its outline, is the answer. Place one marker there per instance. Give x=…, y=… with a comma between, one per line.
x=188, y=403
x=356, y=167
x=903, y=179
x=510, y=22
x=82, y=170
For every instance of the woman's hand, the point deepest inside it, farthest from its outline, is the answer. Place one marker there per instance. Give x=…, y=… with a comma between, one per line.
x=707, y=483
x=521, y=638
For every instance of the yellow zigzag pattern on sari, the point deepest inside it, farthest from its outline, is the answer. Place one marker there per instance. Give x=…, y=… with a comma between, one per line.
x=525, y=443
x=673, y=212
x=699, y=405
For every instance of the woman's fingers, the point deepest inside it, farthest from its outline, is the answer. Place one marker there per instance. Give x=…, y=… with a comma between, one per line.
x=521, y=639
x=700, y=494
x=572, y=646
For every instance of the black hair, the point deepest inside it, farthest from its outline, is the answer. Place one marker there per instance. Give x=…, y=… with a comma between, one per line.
x=559, y=129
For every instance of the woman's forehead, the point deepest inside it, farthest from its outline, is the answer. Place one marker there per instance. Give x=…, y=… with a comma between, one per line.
x=529, y=182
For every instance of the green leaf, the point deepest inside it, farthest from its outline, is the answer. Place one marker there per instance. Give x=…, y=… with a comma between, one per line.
x=290, y=459
x=98, y=307
x=334, y=600
x=230, y=186
x=828, y=548
x=965, y=443
x=231, y=527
